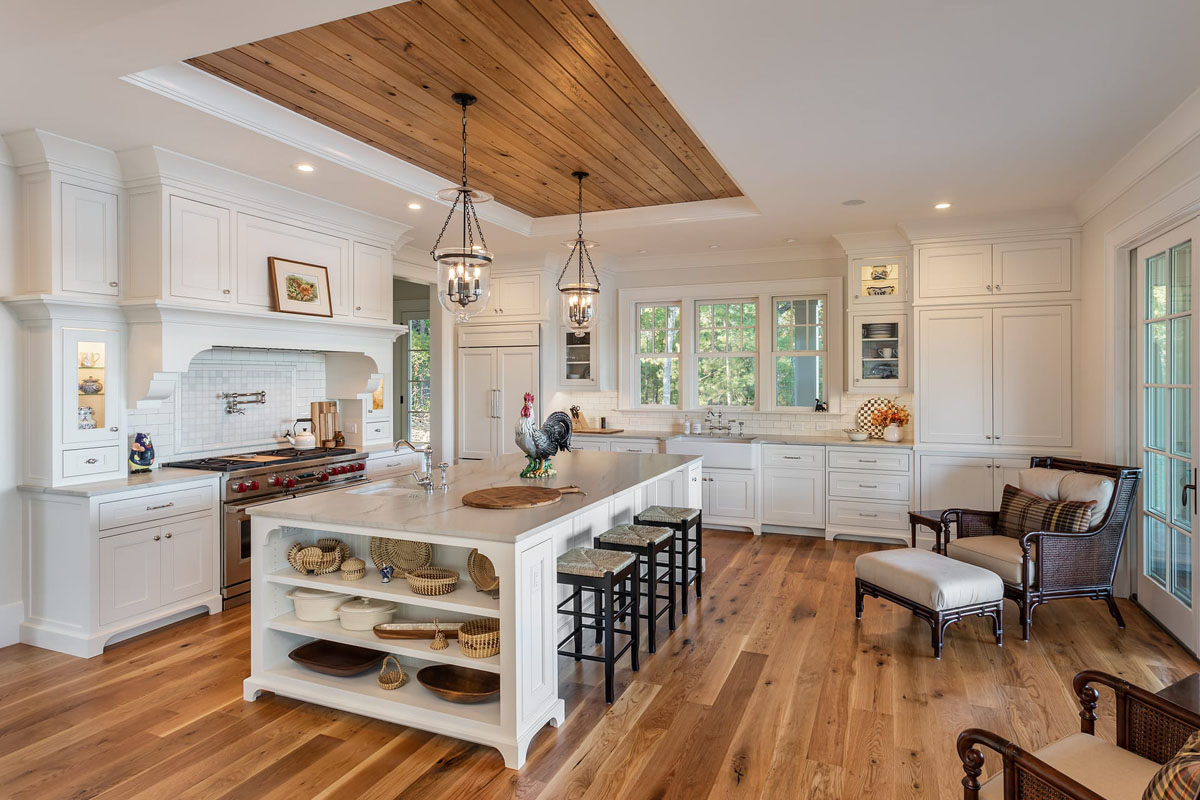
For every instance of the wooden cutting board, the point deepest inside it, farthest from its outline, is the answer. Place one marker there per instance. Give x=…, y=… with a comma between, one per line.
x=517, y=496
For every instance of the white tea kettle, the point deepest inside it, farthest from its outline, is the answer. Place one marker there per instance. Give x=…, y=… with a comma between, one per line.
x=304, y=440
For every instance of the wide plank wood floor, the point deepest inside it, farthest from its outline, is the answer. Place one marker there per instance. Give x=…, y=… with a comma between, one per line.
x=770, y=689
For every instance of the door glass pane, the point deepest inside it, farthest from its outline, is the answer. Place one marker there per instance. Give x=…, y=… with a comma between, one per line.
x=1156, y=286
x=1156, y=551
x=1156, y=484
x=1156, y=419
x=90, y=365
x=1181, y=278
x=1156, y=352
x=1181, y=422
x=1181, y=350
x=1181, y=567
x=1181, y=474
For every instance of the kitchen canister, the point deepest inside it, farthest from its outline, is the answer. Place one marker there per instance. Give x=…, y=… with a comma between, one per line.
x=364, y=613
x=316, y=605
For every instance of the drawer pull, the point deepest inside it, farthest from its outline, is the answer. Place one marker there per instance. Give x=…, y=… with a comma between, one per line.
x=867, y=460
x=868, y=486
x=91, y=461
x=164, y=505
x=864, y=514
x=794, y=458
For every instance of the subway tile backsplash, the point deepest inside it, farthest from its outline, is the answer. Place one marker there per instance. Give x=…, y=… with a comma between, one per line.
x=193, y=421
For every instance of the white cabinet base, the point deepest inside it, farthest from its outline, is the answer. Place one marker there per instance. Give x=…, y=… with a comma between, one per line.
x=61, y=639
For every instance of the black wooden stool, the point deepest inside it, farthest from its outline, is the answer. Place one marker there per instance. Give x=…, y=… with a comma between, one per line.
x=602, y=572
x=647, y=542
x=681, y=520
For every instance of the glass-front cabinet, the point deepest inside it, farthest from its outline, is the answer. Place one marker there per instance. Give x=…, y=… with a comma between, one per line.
x=578, y=358
x=91, y=383
x=879, y=280
x=879, y=355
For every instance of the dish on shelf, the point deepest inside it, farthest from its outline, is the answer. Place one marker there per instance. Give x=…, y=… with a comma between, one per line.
x=400, y=554
x=416, y=630
x=364, y=613
x=482, y=572
x=459, y=684
x=340, y=660
x=316, y=605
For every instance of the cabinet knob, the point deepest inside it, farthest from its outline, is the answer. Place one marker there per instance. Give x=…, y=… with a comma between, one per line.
x=168, y=536
x=358, y=308
x=114, y=429
x=989, y=287
x=157, y=537
x=988, y=436
x=224, y=291
x=997, y=287
x=997, y=438
x=113, y=284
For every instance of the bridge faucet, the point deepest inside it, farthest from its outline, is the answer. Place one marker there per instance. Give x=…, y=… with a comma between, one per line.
x=424, y=478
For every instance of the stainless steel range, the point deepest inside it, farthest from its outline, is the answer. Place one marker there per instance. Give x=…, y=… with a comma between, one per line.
x=252, y=479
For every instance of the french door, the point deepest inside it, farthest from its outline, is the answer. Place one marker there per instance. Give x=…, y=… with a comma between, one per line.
x=1168, y=340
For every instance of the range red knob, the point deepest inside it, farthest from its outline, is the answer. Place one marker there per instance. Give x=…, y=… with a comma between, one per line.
x=338, y=470
x=274, y=480
x=253, y=485
x=360, y=467
x=241, y=487
x=289, y=483
x=324, y=476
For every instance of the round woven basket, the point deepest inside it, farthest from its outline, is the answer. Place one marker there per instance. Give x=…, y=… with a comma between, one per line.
x=400, y=554
x=432, y=581
x=479, y=637
x=391, y=674
x=354, y=569
x=482, y=572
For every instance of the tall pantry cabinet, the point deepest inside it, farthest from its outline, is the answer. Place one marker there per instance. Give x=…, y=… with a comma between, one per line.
x=497, y=365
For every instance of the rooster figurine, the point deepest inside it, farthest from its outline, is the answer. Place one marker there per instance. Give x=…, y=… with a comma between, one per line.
x=539, y=444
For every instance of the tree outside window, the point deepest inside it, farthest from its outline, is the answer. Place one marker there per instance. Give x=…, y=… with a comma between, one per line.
x=799, y=345
x=658, y=345
x=417, y=409
x=726, y=344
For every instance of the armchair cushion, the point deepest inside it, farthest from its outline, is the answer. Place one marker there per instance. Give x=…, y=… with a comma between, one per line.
x=1067, y=485
x=1022, y=512
x=1000, y=554
x=1106, y=769
x=1179, y=778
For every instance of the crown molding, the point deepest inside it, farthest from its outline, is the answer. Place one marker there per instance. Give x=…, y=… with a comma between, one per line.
x=730, y=258
x=35, y=150
x=860, y=244
x=1052, y=220
x=646, y=216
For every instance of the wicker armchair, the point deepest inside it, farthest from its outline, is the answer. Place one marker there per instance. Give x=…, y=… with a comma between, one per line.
x=1149, y=732
x=1057, y=565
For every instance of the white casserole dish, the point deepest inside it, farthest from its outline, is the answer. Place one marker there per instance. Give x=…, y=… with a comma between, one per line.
x=316, y=605
x=364, y=613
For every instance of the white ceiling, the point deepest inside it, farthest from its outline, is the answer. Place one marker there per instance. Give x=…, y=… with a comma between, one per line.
x=996, y=107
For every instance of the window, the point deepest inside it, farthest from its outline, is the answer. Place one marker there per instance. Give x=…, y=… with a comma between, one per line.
x=416, y=423
x=726, y=345
x=799, y=345
x=658, y=354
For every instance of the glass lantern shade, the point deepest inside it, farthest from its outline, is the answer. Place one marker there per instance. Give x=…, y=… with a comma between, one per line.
x=578, y=306
x=464, y=280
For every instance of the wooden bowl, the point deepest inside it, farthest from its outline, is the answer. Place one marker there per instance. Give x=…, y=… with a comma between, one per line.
x=459, y=684
x=335, y=658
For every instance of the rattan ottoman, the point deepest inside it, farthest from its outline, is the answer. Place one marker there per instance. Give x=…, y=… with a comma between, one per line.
x=937, y=589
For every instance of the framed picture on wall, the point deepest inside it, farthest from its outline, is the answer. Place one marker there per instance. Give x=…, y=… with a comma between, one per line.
x=300, y=288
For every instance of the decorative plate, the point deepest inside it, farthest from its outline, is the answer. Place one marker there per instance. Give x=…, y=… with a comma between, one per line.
x=400, y=554
x=863, y=418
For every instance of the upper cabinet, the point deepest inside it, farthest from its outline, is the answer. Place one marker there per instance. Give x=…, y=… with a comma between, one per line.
x=372, y=282
x=880, y=280
x=1001, y=270
x=200, y=253
x=514, y=296
x=879, y=355
x=260, y=238
x=90, y=240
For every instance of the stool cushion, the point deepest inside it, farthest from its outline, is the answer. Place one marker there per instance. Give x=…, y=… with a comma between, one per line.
x=1000, y=554
x=928, y=579
x=635, y=535
x=593, y=563
x=673, y=514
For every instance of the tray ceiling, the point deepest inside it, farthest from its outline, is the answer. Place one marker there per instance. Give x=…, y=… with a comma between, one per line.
x=557, y=89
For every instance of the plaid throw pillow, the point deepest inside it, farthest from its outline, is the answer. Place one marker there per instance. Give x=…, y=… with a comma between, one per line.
x=1022, y=512
x=1179, y=778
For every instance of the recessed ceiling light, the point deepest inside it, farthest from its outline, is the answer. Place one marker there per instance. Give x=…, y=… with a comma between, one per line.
x=713, y=246
x=415, y=206
x=306, y=168
x=941, y=206
x=790, y=240
x=853, y=202
x=643, y=251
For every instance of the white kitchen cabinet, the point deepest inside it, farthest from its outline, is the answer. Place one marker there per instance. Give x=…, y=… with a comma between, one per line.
x=869, y=491
x=669, y=490
x=1005, y=471
x=876, y=281
x=91, y=387
x=492, y=382
x=187, y=559
x=577, y=360
x=1031, y=266
x=879, y=355
x=954, y=389
x=392, y=464
x=729, y=494
x=514, y=297
x=1011, y=269
x=954, y=271
x=200, y=250
x=259, y=238
x=953, y=481
x=90, y=240
x=372, y=282
x=793, y=497
x=130, y=574
x=1031, y=376
x=590, y=443
x=633, y=446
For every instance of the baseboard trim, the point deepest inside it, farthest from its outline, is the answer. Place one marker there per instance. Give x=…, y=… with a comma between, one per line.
x=11, y=617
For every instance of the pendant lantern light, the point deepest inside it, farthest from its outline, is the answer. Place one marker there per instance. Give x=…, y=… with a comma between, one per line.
x=463, y=269
x=578, y=297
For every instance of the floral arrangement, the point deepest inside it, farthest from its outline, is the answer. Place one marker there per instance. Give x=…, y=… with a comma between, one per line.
x=891, y=414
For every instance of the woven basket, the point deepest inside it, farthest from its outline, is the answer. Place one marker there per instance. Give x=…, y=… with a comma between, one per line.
x=479, y=637
x=324, y=557
x=392, y=677
x=482, y=572
x=432, y=581
x=354, y=569
x=400, y=554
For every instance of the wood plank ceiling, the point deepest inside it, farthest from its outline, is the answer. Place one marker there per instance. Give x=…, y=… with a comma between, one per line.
x=557, y=89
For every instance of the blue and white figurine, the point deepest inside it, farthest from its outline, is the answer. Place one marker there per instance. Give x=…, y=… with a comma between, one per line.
x=141, y=453
x=386, y=572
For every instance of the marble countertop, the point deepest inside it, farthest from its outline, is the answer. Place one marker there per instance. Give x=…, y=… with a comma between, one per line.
x=628, y=434
x=829, y=439
x=145, y=480
x=406, y=508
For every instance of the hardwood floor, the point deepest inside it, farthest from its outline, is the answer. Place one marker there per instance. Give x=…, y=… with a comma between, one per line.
x=771, y=689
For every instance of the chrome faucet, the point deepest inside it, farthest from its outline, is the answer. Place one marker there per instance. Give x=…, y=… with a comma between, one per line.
x=718, y=426
x=405, y=442
x=424, y=478
x=445, y=483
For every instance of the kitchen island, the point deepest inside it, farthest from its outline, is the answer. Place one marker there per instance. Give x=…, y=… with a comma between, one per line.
x=522, y=544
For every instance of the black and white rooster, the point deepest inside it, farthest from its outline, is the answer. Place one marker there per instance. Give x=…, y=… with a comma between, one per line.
x=539, y=444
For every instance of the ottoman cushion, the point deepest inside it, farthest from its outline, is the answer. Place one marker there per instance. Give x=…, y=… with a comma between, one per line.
x=928, y=579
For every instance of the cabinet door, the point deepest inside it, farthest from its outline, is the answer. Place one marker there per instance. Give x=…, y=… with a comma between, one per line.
x=1032, y=376
x=879, y=280
x=955, y=389
x=957, y=482
x=537, y=662
x=372, y=282
x=91, y=388
x=670, y=490
x=259, y=239
x=518, y=373
x=90, y=240
x=187, y=559
x=878, y=351
x=954, y=271
x=200, y=253
x=730, y=494
x=793, y=497
x=515, y=296
x=1037, y=265
x=1005, y=471
x=130, y=574
x=477, y=402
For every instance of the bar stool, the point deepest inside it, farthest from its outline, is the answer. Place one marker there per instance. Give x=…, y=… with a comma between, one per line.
x=646, y=542
x=681, y=520
x=602, y=572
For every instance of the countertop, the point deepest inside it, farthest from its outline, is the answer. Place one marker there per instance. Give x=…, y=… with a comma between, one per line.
x=145, y=480
x=628, y=434
x=828, y=439
x=409, y=510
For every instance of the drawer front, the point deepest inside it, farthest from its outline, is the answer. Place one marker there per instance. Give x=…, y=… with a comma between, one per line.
x=378, y=466
x=795, y=456
x=377, y=431
x=894, y=460
x=626, y=446
x=117, y=513
x=866, y=486
x=589, y=443
x=91, y=461
x=883, y=516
